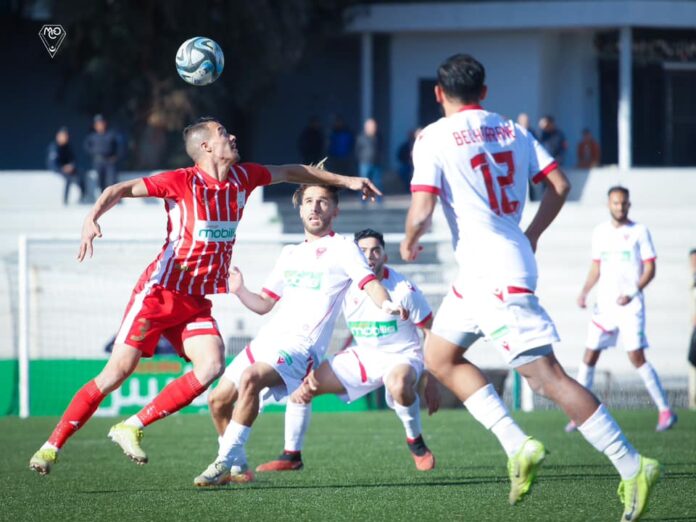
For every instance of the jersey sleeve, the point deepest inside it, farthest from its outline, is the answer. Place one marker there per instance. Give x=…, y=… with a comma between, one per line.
x=353, y=262
x=275, y=282
x=256, y=175
x=416, y=304
x=169, y=185
x=540, y=161
x=427, y=167
x=647, y=249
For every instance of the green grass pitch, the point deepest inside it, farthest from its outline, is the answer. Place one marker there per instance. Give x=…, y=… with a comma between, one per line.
x=357, y=467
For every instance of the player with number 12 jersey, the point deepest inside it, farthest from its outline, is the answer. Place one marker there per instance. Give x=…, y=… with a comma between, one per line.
x=489, y=161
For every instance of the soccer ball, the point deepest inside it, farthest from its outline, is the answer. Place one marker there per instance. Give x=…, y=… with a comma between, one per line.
x=199, y=61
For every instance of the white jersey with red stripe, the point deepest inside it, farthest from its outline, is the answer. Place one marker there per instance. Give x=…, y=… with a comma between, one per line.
x=480, y=164
x=310, y=280
x=620, y=252
x=373, y=328
x=202, y=218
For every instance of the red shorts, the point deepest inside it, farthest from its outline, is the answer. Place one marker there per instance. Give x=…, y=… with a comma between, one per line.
x=154, y=311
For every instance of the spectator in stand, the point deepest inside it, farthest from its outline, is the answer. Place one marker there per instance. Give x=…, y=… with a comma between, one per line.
x=341, y=144
x=523, y=121
x=405, y=160
x=589, y=154
x=61, y=160
x=104, y=148
x=311, y=142
x=552, y=138
x=368, y=152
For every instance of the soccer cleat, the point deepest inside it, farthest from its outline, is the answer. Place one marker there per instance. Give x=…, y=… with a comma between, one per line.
x=634, y=493
x=219, y=474
x=571, y=427
x=42, y=460
x=128, y=438
x=666, y=420
x=287, y=461
x=422, y=456
x=522, y=468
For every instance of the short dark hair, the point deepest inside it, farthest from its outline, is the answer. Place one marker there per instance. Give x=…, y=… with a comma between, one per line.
x=369, y=232
x=299, y=193
x=619, y=188
x=463, y=77
x=196, y=130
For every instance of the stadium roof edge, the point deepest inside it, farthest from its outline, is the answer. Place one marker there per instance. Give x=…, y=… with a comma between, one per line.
x=487, y=16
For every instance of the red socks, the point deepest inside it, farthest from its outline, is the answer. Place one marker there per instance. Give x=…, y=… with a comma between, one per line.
x=172, y=398
x=81, y=408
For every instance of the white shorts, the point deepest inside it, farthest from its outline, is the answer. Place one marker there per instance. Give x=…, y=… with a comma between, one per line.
x=362, y=370
x=611, y=322
x=511, y=318
x=293, y=364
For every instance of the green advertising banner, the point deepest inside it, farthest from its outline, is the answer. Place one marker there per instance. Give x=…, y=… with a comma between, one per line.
x=53, y=382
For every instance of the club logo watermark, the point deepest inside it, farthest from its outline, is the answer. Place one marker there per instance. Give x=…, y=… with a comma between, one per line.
x=52, y=35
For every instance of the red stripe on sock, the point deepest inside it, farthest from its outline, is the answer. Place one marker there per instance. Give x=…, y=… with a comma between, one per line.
x=82, y=406
x=172, y=398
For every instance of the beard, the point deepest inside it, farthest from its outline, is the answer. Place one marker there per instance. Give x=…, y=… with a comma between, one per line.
x=317, y=227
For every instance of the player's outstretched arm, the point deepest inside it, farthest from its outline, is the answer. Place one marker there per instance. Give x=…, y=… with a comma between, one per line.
x=259, y=303
x=380, y=297
x=310, y=174
x=592, y=278
x=557, y=188
x=134, y=188
x=418, y=221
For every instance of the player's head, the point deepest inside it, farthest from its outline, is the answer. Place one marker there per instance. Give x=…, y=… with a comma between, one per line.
x=619, y=203
x=371, y=243
x=461, y=78
x=208, y=138
x=318, y=206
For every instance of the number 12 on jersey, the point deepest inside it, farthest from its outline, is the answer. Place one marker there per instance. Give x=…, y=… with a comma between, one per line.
x=480, y=162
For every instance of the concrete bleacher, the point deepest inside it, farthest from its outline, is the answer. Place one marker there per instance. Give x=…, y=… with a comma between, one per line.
x=30, y=203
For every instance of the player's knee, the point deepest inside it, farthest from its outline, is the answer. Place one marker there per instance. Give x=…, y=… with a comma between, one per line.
x=210, y=370
x=436, y=365
x=250, y=382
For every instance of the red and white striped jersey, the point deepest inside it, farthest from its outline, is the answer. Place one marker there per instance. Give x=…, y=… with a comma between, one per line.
x=480, y=164
x=202, y=218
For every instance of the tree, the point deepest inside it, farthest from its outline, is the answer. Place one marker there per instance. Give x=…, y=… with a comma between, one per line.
x=121, y=57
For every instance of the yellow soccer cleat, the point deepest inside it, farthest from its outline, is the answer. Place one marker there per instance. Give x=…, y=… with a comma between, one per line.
x=522, y=468
x=128, y=438
x=634, y=493
x=42, y=461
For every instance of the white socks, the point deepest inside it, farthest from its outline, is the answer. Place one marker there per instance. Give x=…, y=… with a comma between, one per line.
x=602, y=431
x=487, y=408
x=410, y=418
x=654, y=386
x=232, y=442
x=586, y=375
x=297, y=417
x=133, y=420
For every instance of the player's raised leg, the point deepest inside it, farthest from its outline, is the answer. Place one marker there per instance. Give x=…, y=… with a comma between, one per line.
x=206, y=355
x=444, y=360
x=638, y=474
x=84, y=403
x=401, y=386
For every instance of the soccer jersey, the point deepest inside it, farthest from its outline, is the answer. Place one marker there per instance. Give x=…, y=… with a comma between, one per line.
x=620, y=252
x=480, y=163
x=310, y=280
x=371, y=327
x=202, y=218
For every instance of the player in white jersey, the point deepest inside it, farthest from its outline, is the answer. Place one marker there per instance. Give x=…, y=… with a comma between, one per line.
x=386, y=351
x=623, y=264
x=478, y=164
x=310, y=280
